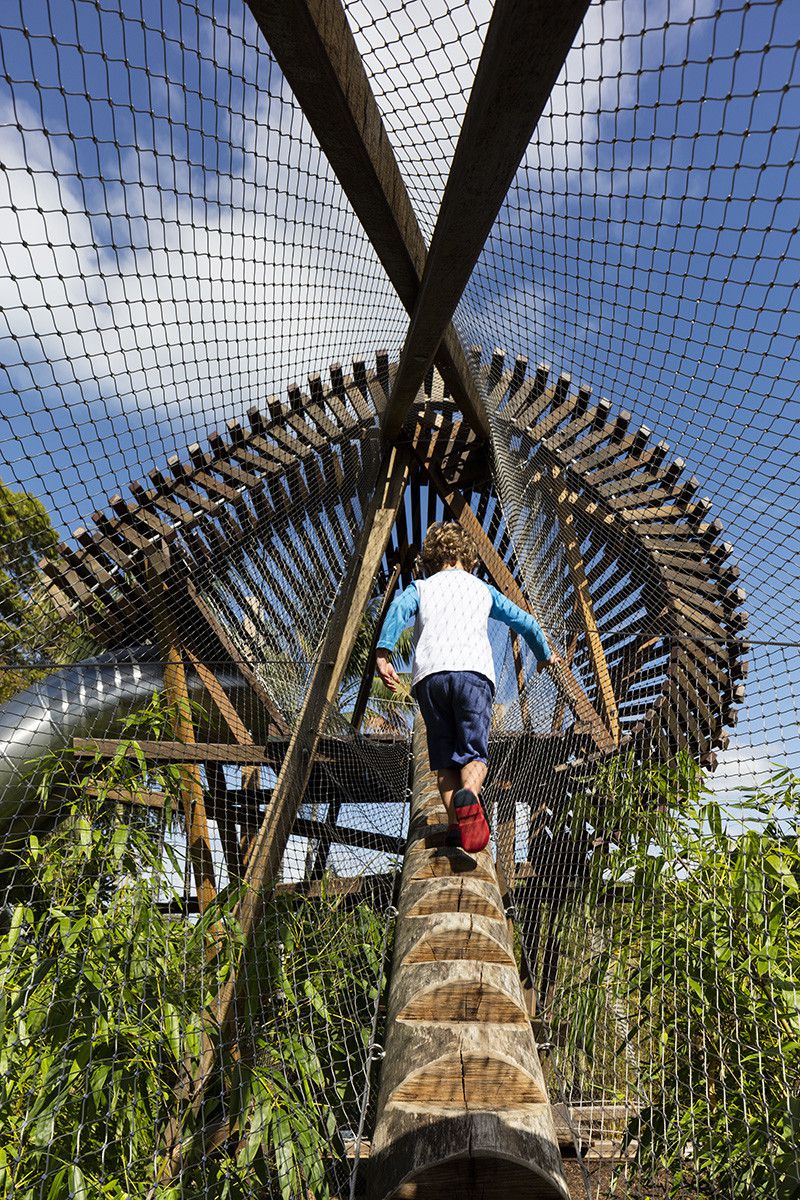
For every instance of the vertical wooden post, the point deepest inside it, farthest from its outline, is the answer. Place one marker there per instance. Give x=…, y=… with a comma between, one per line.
x=191, y=786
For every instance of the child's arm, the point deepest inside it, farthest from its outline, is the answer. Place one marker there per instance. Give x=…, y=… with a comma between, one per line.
x=402, y=612
x=521, y=622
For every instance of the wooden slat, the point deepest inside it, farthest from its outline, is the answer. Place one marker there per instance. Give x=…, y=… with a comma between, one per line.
x=531, y=397
x=124, y=530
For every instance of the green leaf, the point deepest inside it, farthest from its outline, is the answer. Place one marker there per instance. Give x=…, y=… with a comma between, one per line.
x=77, y=1183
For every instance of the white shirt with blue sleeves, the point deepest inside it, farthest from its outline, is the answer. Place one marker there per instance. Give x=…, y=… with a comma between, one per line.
x=451, y=613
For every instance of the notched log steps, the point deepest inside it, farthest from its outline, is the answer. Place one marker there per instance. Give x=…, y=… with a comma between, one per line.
x=462, y=1101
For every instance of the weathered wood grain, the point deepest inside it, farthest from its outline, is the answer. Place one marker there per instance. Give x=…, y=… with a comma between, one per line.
x=461, y=1087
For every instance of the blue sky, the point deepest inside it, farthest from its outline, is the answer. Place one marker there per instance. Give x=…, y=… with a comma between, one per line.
x=175, y=248
x=182, y=249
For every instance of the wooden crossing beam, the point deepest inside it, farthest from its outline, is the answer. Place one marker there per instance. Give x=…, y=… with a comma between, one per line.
x=462, y=1107
x=315, y=49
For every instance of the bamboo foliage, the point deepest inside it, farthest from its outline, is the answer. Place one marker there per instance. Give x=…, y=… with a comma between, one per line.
x=700, y=961
x=100, y=996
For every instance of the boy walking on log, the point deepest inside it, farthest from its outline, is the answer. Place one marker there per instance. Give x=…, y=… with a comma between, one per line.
x=453, y=671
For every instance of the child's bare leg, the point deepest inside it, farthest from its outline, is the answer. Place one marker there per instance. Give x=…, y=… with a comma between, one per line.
x=449, y=782
x=473, y=774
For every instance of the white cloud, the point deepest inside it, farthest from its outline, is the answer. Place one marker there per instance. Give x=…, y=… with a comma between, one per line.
x=421, y=56
x=206, y=302
x=749, y=764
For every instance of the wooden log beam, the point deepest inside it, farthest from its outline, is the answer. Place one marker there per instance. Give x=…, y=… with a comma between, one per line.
x=584, y=607
x=369, y=670
x=526, y=44
x=176, y=692
x=568, y=687
x=462, y=1106
x=315, y=49
x=263, y=865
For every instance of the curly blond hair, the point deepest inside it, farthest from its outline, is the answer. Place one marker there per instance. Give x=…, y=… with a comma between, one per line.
x=446, y=544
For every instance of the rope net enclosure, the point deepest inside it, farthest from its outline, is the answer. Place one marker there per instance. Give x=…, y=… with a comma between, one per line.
x=204, y=792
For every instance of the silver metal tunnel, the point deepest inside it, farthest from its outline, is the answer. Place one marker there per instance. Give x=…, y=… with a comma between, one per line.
x=83, y=700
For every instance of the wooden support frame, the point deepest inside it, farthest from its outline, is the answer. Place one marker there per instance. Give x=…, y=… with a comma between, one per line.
x=584, y=608
x=264, y=860
x=568, y=687
x=526, y=44
x=315, y=49
x=202, y=607
x=242, y=736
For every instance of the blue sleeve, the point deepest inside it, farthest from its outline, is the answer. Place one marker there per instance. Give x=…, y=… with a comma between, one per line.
x=521, y=622
x=402, y=612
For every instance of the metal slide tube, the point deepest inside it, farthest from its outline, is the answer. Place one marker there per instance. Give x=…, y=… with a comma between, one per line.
x=87, y=699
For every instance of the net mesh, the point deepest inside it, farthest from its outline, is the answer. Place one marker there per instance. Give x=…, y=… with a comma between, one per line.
x=198, y=340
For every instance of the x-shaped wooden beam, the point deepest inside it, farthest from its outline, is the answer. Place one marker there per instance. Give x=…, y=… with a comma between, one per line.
x=524, y=51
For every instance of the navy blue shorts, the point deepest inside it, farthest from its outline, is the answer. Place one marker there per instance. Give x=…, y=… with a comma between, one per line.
x=456, y=707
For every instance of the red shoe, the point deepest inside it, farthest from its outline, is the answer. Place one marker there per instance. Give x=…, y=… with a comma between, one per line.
x=471, y=821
